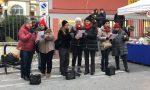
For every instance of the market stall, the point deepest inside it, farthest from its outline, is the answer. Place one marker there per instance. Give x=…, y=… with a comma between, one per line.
x=137, y=8
x=138, y=48
x=139, y=53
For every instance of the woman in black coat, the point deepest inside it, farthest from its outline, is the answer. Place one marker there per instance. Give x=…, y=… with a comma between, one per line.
x=76, y=43
x=90, y=45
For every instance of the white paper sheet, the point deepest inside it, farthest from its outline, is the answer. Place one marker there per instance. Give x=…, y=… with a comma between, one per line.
x=113, y=36
x=40, y=33
x=79, y=34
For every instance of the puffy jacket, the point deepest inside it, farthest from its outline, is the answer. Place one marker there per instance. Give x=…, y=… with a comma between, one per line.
x=90, y=39
x=74, y=41
x=26, y=39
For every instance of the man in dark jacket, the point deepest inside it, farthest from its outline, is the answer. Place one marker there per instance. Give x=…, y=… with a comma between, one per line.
x=128, y=29
x=76, y=43
x=90, y=45
x=94, y=17
x=101, y=17
x=119, y=19
x=64, y=41
x=119, y=46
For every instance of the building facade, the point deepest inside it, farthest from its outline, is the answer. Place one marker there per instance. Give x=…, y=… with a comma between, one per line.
x=70, y=9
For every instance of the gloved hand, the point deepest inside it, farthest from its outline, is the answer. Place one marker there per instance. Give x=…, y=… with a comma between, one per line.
x=107, y=38
x=31, y=30
x=42, y=36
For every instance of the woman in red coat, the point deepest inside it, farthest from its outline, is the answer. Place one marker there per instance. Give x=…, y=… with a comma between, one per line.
x=26, y=45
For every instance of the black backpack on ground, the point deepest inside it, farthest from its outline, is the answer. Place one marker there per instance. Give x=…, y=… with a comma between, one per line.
x=71, y=74
x=110, y=70
x=35, y=79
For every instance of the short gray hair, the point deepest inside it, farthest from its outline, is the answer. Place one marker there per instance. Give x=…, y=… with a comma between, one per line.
x=28, y=21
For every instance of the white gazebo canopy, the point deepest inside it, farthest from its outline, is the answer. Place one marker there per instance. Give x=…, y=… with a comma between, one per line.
x=139, y=7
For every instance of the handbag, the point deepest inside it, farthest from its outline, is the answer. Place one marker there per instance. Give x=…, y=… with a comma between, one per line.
x=70, y=74
x=110, y=70
x=106, y=44
x=35, y=79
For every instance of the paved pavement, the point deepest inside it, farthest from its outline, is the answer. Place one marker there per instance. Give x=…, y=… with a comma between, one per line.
x=137, y=79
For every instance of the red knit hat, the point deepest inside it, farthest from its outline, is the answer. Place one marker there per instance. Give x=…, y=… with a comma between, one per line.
x=42, y=22
x=117, y=25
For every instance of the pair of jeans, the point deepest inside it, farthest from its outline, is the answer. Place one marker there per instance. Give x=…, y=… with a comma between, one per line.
x=124, y=58
x=88, y=53
x=76, y=53
x=46, y=62
x=105, y=59
x=26, y=60
x=64, y=60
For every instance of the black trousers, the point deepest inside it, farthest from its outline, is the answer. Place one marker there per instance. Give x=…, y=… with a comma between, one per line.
x=46, y=62
x=88, y=53
x=76, y=53
x=105, y=59
x=26, y=59
x=124, y=58
x=64, y=60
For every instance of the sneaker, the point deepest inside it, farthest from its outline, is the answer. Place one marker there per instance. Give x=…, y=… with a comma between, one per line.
x=26, y=78
x=48, y=75
x=127, y=70
x=86, y=73
x=79, y=70
x=92, y=73
x=43, y=75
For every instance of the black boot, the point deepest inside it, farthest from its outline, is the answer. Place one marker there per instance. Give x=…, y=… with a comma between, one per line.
x=79, y=69
x=124, y=57
x=117, y=62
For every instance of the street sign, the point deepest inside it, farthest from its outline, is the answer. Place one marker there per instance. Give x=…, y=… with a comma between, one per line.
x=148, y=14
x=43, y=8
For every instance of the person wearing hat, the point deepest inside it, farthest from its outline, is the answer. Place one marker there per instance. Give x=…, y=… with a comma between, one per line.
x=64, y=46
x=26, y=45
x=42, y=24
x=129, y=29
x=119, y=46
x=46, y=50
x=104, y=34
x=76, y=43
x=42, y=27
x=90, y=45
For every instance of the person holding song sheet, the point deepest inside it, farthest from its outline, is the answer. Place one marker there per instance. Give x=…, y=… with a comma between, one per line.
x=76, y=43
x=119, y=46
x=90, y=45
x=104, y=35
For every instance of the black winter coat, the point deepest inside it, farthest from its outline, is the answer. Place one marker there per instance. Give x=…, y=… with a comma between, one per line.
x=90, y=40
x=74, y=41
x=101, y=17
x=64, y=39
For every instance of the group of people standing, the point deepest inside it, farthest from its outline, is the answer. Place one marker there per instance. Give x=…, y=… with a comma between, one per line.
x=29, y=42
x=89, y=36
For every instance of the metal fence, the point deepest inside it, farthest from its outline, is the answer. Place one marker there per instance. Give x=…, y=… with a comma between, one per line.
x=9, y=26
